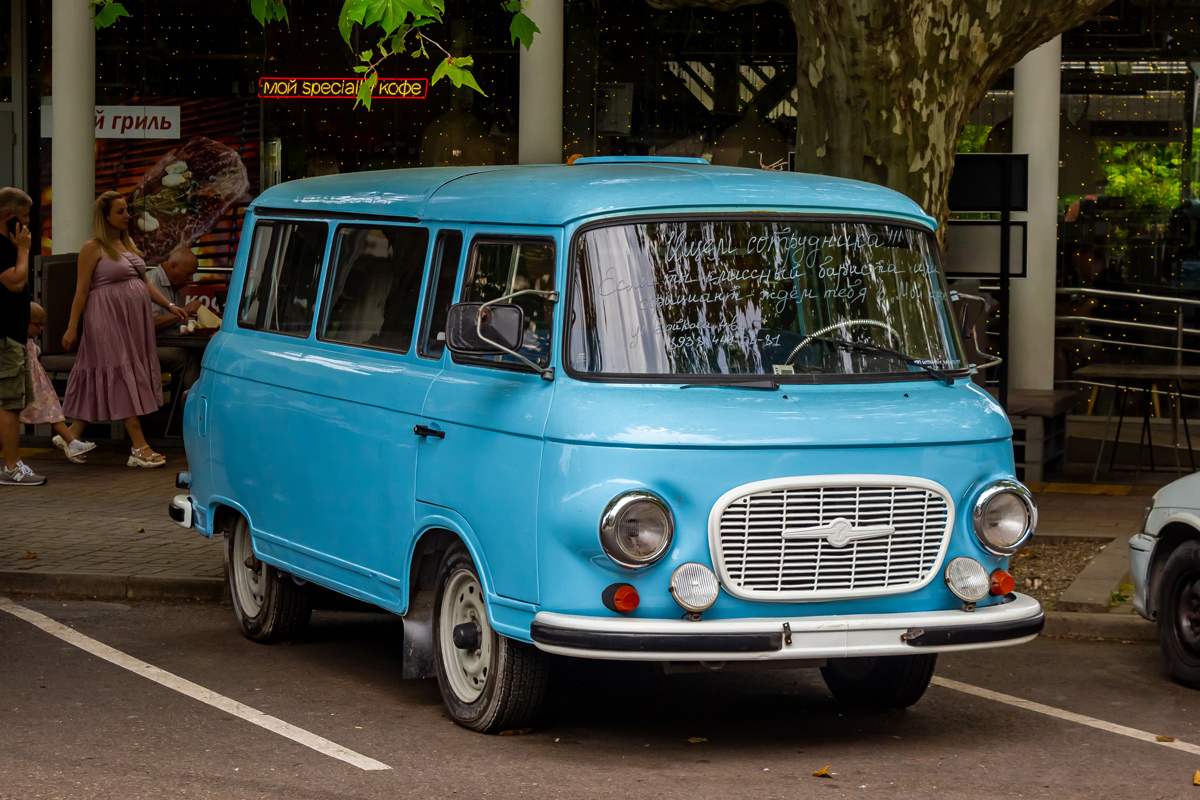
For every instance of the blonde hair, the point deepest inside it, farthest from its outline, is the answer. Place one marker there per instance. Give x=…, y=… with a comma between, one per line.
x=36, y=313
x=104, y=233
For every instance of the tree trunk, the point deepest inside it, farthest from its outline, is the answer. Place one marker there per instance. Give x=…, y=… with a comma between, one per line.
x=886, y=86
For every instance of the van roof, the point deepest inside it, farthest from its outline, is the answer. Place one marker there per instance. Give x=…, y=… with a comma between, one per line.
x=556, y=194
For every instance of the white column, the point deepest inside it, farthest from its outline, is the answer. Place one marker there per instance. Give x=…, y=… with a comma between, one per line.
x=73, y=152
x=540, y=120
x=1035, y=131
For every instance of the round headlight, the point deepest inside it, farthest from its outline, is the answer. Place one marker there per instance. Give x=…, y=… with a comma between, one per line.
x=636, y=529
x=694, y=587
x=1004, y=517
x=968, y=579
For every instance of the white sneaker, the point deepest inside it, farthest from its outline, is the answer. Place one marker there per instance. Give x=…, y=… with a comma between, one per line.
x=75, y=451
x=20, y=475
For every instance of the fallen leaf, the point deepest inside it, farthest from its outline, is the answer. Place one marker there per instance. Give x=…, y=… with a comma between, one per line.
x=141, y=530
x=697, y=739
x=823, y=772
x=516, y=732
x=30, y=554
x=1196, y=778
x=1162, y=738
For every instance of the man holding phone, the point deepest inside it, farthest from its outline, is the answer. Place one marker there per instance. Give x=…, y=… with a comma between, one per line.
x=16, y=385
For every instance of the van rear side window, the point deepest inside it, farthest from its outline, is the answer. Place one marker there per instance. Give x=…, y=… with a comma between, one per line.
x=375, y=286
x=280, y=291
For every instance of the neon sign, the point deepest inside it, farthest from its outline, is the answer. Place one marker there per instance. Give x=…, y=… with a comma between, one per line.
x=341, y=88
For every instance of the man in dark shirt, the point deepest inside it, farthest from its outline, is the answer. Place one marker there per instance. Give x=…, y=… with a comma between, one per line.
x=16, y=386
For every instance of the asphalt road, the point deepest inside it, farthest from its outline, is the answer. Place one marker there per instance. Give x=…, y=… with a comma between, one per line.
x=73, y=725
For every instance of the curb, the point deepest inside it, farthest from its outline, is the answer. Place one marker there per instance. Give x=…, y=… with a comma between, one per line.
x=1093, y=587
x=90, y=586
x=1110, y=627
x=111, y=587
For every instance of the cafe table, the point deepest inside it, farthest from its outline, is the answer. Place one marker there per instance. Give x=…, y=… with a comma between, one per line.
x=1144, y=378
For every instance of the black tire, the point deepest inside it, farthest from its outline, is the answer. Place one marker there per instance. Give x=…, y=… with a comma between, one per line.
x=499, y=685
x=269, y=605
x=879, y=683
x=1179, y=614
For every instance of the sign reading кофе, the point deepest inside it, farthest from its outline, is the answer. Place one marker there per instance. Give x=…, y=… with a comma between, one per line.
x=346, y=88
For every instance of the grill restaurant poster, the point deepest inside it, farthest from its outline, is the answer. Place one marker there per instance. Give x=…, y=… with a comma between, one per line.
x=123, y=160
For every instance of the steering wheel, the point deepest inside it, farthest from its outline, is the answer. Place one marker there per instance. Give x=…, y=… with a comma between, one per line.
x=813, y=336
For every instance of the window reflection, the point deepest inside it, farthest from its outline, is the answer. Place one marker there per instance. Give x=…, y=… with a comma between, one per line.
x=737, y=297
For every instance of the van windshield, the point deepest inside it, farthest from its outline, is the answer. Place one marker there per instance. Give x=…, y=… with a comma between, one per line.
x=777, y=297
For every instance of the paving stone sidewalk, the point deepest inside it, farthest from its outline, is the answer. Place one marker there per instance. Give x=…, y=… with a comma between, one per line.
x=96, y=527
x=102, y=530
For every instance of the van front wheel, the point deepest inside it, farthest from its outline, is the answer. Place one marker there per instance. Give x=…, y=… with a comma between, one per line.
x=268, y=604
x=879, y=683
x=489, y=683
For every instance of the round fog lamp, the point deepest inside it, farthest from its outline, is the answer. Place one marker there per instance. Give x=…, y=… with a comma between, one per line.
x=694, y=587
x=1004, y=517
x=968, y=579
x=636, y=529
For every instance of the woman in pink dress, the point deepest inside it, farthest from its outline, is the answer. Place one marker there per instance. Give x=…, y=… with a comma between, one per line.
x=116, y=374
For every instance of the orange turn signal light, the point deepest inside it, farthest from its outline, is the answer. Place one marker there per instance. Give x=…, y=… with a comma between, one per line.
x=621, y=598
x=1002, y=583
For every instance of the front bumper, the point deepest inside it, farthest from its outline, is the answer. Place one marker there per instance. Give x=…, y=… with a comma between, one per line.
x=760, y=639
x=1141, y=550
x=180, y=510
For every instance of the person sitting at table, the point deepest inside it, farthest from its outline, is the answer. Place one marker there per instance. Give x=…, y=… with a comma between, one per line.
x=176, y=272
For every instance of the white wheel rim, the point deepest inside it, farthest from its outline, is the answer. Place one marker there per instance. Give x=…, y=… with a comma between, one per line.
x=466, y=670
x=247, y=573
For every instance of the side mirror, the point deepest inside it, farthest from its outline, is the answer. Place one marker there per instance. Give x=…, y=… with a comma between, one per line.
x=502, y=326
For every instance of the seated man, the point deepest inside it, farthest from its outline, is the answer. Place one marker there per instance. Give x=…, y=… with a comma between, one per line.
x=171, y=277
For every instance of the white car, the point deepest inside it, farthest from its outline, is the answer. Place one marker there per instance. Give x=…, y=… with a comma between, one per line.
x=1164, y=561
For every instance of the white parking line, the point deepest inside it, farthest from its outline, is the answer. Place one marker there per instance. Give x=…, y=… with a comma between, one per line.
x=192, y=690
x=1069, y=716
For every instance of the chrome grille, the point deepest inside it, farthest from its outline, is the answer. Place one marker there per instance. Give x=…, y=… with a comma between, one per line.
x=822, y=541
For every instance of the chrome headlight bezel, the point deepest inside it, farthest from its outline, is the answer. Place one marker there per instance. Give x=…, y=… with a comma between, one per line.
x=977, y=517
x=610, y=520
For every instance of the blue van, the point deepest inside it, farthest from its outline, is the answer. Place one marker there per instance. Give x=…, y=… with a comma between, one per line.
x=624, y=408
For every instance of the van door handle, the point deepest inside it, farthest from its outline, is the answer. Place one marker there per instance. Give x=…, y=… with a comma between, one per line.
x=425, y=430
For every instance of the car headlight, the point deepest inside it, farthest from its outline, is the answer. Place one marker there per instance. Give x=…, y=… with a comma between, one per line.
x=636, y=529
x=968, y=579
x=1004, y=517
x=694, y=587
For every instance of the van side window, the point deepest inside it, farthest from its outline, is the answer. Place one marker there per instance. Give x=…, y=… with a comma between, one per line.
x=449, y=250
x=280, y=291
x=498, y=268
x=374, y=286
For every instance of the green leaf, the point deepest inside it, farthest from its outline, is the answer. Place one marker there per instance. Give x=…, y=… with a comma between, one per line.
x=365, y=55
x=108, y=13
x=440, y=72
x=281, y=12
x=391, y=14
x=458, y=73
x=259, y=9
x=513, y=6
x=469, y=80
x=361, y=69
x=522, y=29
x=365, y=91
x=353, y=11
x=397, y=45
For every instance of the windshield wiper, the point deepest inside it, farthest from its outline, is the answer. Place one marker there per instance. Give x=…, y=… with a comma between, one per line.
x=758, y=385
x=887, y=351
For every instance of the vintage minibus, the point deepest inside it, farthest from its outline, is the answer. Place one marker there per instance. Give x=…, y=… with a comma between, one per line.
x=626, y=408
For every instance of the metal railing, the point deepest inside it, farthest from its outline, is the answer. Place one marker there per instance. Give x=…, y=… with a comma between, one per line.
x=1179, y=303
